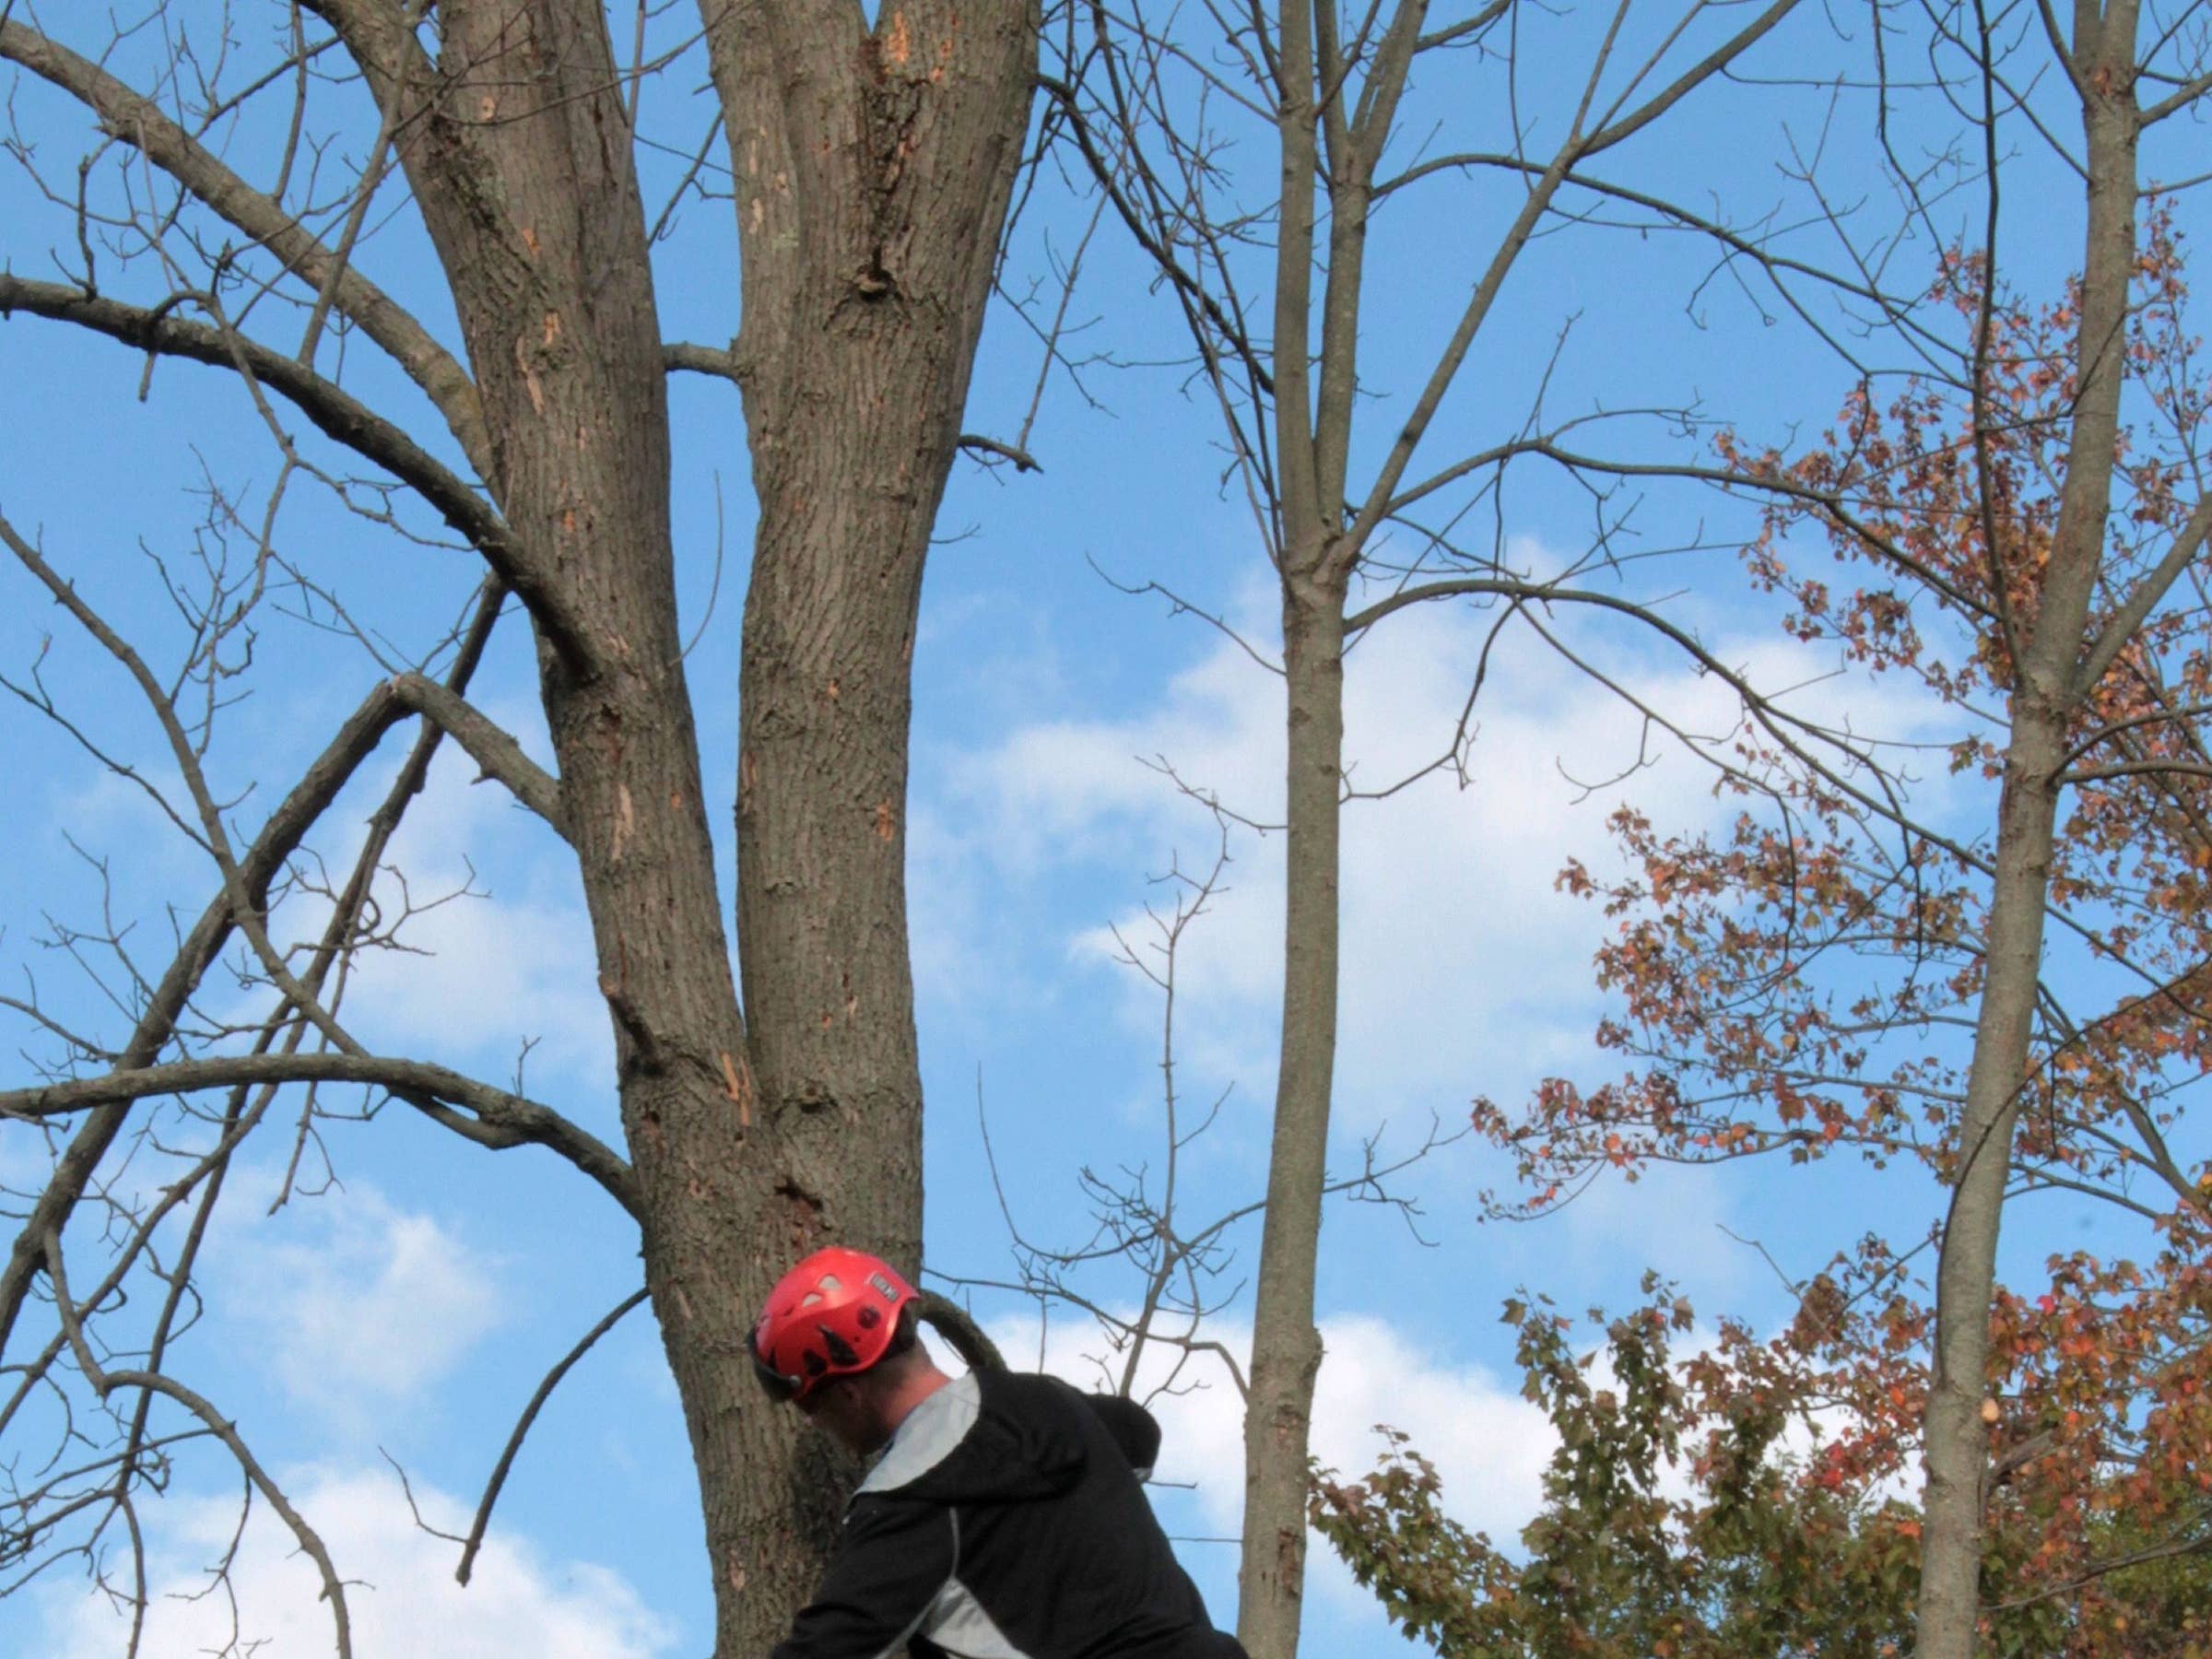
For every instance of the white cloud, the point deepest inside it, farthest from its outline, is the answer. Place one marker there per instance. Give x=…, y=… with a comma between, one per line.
x=26, y=1156
x=1489, y=1444
x=1464, y=970
x=400, y=1590
x=106, y=810
x=1675, y=1217
x=357, y=1303
x=480, y=974
x=494, y=973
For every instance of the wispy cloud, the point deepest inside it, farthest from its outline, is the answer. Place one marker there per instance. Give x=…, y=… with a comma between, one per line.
x=1465, y=970
x=359, y=1305
x=500, y=952
x=400, y=1588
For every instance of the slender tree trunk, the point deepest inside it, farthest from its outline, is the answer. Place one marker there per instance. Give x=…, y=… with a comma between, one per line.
x=1313, y=407
x=1957, y=1437
x=2044, y=696
x=1286, y=1348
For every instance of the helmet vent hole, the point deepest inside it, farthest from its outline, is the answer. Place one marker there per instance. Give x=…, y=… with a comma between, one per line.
x=810, y=1299
x=830, y=1281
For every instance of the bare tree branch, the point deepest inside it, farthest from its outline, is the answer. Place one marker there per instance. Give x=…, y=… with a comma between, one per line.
x=105, y=1383
x=489, y=746
x=334, y=411
x=498, y=1119
x=279, y=838
x=522, y=1427
x=137, y=121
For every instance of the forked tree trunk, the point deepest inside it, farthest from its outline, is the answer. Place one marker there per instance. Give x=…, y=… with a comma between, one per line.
x=521, y=161
x=874, y=174
x=1315, y=398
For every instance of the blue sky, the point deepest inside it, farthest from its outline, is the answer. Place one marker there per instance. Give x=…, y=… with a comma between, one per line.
x=405, y=1313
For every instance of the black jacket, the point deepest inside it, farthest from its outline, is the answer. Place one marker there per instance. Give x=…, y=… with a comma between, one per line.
x=1005, y=1521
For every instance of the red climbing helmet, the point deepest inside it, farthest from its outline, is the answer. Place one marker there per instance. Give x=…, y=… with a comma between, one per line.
x=834, y=1314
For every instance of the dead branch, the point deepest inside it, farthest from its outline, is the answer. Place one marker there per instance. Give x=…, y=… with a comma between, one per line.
x=489, y=746
x=544, y=1392
x=105, y=1383
x=334, y=411
x=476, y=1111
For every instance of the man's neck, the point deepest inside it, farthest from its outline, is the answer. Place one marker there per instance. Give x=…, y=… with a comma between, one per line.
x=908, y=1393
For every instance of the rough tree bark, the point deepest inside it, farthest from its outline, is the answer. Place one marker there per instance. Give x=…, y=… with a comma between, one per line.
x=866, y=165
x=874, y=170
x=875, y=167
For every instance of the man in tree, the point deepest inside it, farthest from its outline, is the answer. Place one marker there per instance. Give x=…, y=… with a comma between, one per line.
x=1003, y=1519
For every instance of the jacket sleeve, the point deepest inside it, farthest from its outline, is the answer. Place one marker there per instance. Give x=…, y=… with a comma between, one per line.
x=893, y=1558
x=1133, y=1429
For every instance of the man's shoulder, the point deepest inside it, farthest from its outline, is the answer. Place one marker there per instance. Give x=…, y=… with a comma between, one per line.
x=932, y=1431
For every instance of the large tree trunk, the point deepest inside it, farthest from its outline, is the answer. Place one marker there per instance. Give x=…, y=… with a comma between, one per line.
x=2046, y=693
x=524, y=170
x=874, y=178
